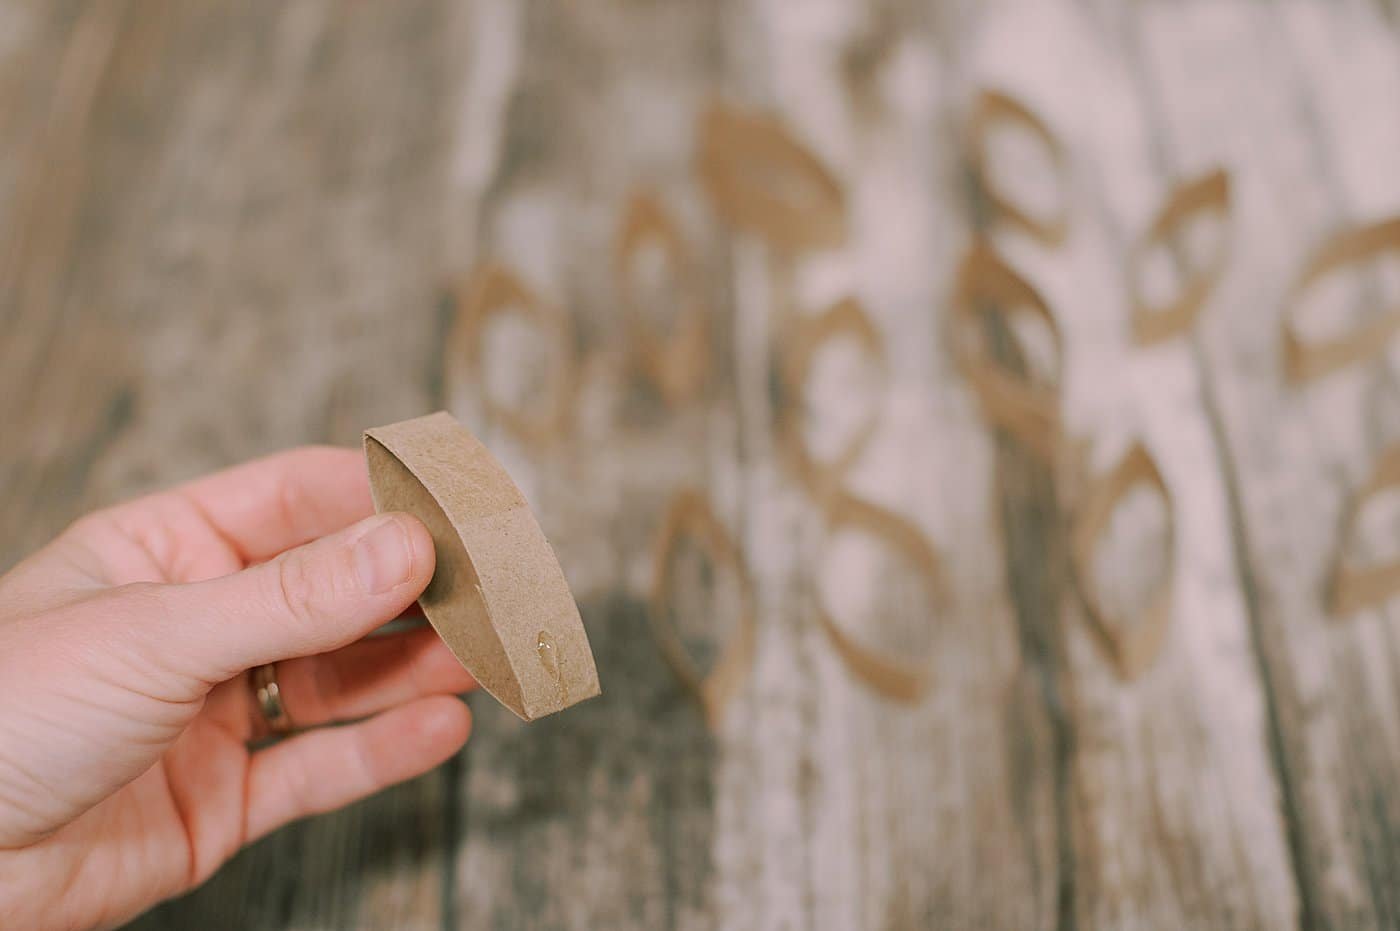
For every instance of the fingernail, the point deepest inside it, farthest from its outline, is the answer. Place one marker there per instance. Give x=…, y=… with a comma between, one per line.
x=383, y=557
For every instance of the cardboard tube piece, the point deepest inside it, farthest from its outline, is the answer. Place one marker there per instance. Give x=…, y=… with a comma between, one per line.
x=498, y=597
x=821, y=478
x=679, y=362
x=1304, y=360
x=1027, y=410
x=993, y=107
x=1354, y=589
x=1155, y=323
x=897, y=678
x=494, y=289
x=763, y=181
x=690, y=517
x=1131, y=647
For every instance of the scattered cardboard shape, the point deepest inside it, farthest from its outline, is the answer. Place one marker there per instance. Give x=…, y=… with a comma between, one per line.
x=763, y=181
x=690, y=516
x=1305, y=360
x=1132, y=648
x=819, y=478
x=498, y=597
x=1354, y=588
x=495, y=289
x=993, y=107
x=1155, y=323
x=678, y=362
x=1028, y=410
x=892, y=677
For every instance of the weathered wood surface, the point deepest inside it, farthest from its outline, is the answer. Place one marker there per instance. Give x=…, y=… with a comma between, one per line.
x=228, y=228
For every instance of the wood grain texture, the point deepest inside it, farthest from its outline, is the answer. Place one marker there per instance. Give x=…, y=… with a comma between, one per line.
x=1174, y=820
x=604, y=816
x=1329, y=677
x=907, y=816
x=230, y=228
x=250, y=265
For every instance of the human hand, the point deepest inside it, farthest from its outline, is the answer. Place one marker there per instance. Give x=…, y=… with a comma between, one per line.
x=126, y=713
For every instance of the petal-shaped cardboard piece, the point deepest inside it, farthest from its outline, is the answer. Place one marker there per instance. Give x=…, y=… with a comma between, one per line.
x=993, y=107
x=762, y=180
x=1132, y=647
x=689, y=516
x=1155, y=323
x=1305, y=359
x=1354, y=588
x=498, y=597
x=821, y=478
x=901, y=678
x=493, y=290
x=1028, y=410
x=677, y=362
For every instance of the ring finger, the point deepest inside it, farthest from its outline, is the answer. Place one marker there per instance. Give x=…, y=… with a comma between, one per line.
x=358, y=680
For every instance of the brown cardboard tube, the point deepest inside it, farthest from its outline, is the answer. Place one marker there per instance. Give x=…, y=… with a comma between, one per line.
x=1354, y=589
x=498, y=597
x=821, y=478
x=690, y=517
x=1027, y=410
x=762, y=181
x=896, y=678
x=495, y=289
x=993, y=107
x=677, y=363
x=1131, y=648
x=1305, y=360
x=1155, y=323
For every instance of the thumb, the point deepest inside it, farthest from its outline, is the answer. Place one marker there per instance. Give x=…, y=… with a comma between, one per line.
x=308, y=600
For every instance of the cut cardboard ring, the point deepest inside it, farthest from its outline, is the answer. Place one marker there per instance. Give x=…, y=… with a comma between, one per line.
x=761, y=180
x=498, y=597
x=847, y=318
x=992, y=107
x=1027, y=410
x=690, y=516
x=1305, y=360
x=678, y=363
x=1155, y=323
x=494, y=290
x=894, y=678
x=1131, y=649
x=1354, y=589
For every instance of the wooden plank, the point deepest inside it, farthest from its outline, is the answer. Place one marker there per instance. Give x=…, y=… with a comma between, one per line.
x=1174, y=811
x=1306, y=117
x=273, y=197
x=52, y=70
x=252, y=263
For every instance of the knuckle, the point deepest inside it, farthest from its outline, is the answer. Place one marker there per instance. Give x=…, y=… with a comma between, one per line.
x=291, y=503
x=296, y=589
x=140, y=600
x=296, y=504
x=297, y=784
x=362, y=764
x=89, y=524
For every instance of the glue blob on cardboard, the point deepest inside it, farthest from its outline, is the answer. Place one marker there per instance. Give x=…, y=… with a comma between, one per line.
x=498, y=597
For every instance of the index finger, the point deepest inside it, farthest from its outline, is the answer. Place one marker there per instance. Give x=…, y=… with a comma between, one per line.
x=269, y=505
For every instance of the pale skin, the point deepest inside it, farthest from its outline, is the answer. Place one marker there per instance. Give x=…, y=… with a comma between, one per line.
x=131, y=758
